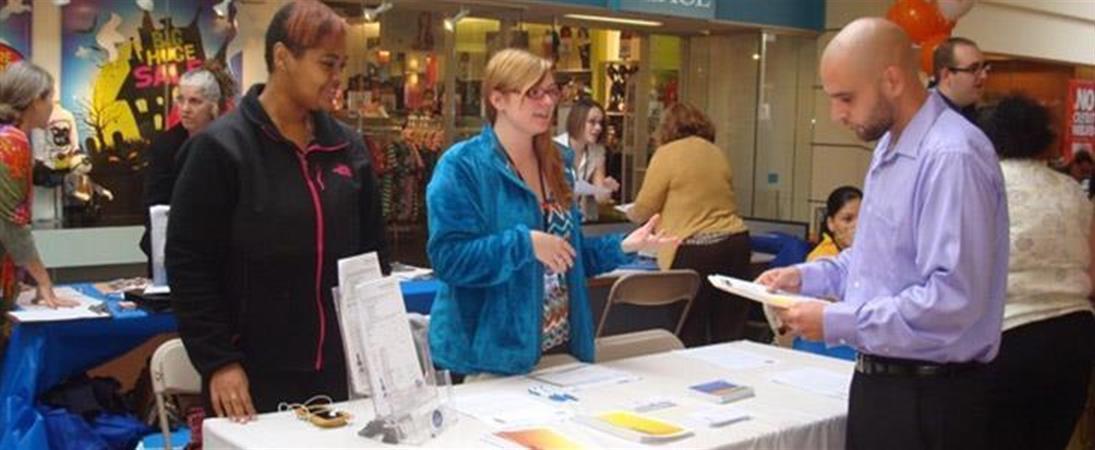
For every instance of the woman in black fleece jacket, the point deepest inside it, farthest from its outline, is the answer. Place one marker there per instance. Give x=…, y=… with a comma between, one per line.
x=269, y=198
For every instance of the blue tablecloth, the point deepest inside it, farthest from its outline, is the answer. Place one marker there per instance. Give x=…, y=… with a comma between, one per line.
x=41, y=355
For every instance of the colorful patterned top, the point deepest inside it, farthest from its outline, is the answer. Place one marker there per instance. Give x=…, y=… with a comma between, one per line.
x=15, y=200
x=15, y=175
x=557, y=221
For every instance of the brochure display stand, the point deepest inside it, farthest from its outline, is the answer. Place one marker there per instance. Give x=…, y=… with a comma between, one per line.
x=384, y=361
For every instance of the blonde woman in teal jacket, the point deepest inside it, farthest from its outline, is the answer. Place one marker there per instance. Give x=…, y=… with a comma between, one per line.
x=505, y=236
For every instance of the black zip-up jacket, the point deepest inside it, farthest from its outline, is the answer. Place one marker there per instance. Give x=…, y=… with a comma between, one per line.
x=257, y=227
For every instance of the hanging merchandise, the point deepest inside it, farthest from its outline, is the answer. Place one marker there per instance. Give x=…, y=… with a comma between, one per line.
x=424, y=38
x=566, y=51
x=408, y=162
x=584, y=44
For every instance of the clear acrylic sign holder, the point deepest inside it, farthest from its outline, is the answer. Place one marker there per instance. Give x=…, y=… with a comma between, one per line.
x=409, y=416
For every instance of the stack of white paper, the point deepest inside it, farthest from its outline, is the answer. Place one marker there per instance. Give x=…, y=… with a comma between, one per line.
x=819, y=381
x=405, y=272
x=582, y=375
x=718, y=416
x=729, y=358
x=508, y=410
x=30, y=312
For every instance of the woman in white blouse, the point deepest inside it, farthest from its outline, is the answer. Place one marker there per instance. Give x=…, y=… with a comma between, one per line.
x=585, y=124
x=1040, y=377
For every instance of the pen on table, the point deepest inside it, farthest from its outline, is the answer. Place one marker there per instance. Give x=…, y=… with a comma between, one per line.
x=540, y=391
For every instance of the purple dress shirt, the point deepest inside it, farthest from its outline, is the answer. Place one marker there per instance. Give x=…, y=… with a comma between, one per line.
x=926, y=276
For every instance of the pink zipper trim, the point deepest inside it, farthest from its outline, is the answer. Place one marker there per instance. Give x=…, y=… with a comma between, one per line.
x=319, y=258
x=320, y=229
x=319, y=179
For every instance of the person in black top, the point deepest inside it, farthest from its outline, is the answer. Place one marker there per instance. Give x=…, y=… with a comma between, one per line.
x=959, y=71
x=203, y=95
x=269, y=198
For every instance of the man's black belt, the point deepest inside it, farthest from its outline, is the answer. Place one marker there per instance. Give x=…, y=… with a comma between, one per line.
x=879, y=365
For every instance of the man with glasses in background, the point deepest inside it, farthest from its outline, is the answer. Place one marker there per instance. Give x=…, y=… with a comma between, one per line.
x=959, y=70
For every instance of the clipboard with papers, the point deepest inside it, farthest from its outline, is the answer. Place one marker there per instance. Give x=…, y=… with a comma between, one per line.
x=757, y=292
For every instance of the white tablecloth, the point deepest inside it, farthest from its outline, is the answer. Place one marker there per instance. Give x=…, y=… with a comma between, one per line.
x=782, y=417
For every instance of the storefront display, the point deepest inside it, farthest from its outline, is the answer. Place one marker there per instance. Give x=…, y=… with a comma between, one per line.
x=122, y=63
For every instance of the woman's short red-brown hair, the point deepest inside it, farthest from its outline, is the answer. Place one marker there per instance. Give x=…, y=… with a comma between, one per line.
x=301, y=25
x=683, y=120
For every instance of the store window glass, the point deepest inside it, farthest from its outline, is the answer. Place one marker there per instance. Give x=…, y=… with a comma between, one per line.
x=395, y=90
x=475, y=40
x=785, y=109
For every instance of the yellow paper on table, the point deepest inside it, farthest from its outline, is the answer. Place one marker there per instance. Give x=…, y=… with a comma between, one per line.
x=539, y=439
x=636, y=427
x=642, y=424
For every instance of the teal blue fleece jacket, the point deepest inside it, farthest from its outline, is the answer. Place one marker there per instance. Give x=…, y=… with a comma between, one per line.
x=488, y=312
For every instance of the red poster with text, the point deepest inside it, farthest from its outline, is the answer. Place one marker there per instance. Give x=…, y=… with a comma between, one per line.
x=1079, y=130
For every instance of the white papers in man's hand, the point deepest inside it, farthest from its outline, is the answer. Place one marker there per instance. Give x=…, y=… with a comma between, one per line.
x=757, y=292
x=818, y=381
x=583, y=187
x=729, y=358
x=582, y=375
x=625, y=208
x=508, y=410
x=31, y=312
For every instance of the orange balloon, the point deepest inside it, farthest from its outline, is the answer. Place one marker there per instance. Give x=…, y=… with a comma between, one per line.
x=919, y=18
x=927, y=50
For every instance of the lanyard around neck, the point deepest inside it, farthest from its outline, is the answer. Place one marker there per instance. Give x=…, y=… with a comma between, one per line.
x=540, y=171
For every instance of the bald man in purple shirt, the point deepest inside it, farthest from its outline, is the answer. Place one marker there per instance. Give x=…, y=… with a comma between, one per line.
x=921, y=293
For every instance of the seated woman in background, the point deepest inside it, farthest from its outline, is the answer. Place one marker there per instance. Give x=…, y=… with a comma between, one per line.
x=583, y=136
x=505, y=239
x=838, y=228
x=690, y=183
x=1039, y=380
x=837, y=233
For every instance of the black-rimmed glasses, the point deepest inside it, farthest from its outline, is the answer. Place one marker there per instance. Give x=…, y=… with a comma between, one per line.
x=973, y=69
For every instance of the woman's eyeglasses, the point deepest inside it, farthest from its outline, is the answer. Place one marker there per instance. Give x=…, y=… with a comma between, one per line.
x=538, y=93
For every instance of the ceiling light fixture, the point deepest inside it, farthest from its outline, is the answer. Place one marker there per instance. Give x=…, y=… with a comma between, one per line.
x=450, y=22
x=620, y=20
x=222, y=8
x=371, y=14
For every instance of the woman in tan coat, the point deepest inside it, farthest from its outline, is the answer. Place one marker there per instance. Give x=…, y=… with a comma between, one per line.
x=689, y=182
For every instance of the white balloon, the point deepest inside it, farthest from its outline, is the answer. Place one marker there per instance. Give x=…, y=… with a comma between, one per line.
x=954, y=9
